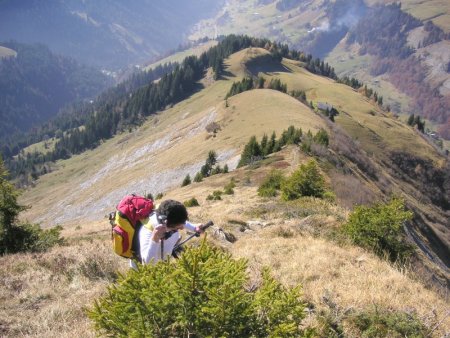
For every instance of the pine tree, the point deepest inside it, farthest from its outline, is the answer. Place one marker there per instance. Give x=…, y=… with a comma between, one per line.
x=212, y=158
x=264, y=143
x=186, y=181
x=252, y=151
x=198, y=177
x=203, y=292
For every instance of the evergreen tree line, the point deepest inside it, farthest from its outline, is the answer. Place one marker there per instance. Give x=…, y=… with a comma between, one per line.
x=371, y=94
x=210, y=168
x=256, y=151
x=76, y=114
x=124, y=107
x=415, y=120
x=351, y=82
x=248, y=83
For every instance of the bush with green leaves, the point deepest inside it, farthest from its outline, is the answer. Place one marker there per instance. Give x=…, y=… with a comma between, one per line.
x=252, y=152
x=198, y=177
x=271, y=184
x=376, y=323
x=192, y=202
x=19, y=237
x=305, y=181
x=215, y=196
x=186, y=181
x=322, y=138
x=203, y=294
x=229, y=188
x=380, y=228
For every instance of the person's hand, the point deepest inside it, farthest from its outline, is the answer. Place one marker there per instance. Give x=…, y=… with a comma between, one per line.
x=159, y=232
x=199, y=229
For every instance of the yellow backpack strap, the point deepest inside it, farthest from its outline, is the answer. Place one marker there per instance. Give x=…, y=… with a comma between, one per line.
x=147, y=222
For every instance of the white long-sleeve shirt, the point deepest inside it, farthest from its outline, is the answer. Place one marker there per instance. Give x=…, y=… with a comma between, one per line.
x=150, y=250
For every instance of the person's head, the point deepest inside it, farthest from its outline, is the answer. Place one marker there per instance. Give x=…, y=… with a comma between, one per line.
x=175, y=213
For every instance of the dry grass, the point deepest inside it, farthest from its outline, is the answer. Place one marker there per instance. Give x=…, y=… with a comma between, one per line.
x=44, y=295
x=341, y=277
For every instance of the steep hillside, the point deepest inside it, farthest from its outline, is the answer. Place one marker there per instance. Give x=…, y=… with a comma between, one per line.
x=109, y=34
x=370, y=156
x=392, y=156
x=413, y=78
x=36, y=83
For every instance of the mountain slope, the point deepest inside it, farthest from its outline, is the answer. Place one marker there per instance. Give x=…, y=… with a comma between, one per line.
x=108, y=34
x=296, y=239
x=415, y=82
x=394, y=158
x=36, y=83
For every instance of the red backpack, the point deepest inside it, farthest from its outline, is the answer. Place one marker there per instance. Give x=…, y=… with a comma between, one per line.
x=125, y=223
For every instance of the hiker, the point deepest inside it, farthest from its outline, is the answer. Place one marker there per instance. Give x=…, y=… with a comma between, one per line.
x=158, y=234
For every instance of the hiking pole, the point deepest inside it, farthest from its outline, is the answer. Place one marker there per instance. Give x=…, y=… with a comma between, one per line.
x=178, y=247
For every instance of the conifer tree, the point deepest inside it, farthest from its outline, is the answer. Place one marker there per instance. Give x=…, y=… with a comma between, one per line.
x=264, y=143
x=186, y=181
x=198, y=177
x=204, y=294
x=252, y=151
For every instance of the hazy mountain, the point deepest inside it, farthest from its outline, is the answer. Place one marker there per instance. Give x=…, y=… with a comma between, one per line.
x=106, y=33
x=36, y=83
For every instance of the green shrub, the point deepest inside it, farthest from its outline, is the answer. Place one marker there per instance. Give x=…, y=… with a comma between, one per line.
x=205, y=294
x=322, y=138
x=271, y=184
x=186, y=181
x=191, y=203
x=17, y=237
x=215, y=196
x=380, y=324
x=329, y=196
x=229, y=188
x=305, y=181
x=159, y=196
x=30, y=238
x=198, y=177
x=252, y=152
x=380, y=228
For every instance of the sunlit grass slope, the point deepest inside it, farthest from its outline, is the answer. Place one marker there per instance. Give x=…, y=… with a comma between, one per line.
x=164, y=150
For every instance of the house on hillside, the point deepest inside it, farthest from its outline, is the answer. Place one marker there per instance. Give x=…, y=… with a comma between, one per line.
x=327, y=109
x=324, y=106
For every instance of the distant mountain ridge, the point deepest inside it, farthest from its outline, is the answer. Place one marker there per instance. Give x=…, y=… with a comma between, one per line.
x=108, y=34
